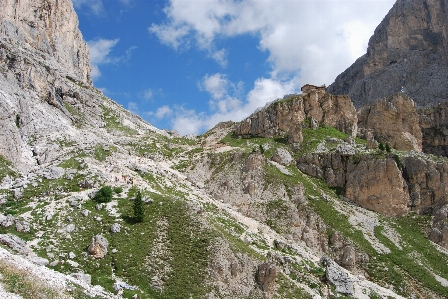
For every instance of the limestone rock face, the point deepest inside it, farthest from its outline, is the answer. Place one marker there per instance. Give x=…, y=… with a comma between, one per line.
x=265, y=277
x=408, y=50
x=378, y=185
x=393, y=120
x=284, y=118
x=51, y=27
x=338, y=277
x=434, y=126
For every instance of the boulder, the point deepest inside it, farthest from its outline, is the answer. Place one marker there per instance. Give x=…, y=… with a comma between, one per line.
x=265, y=277
x=70, y=228
x=54, y=172
x=338, y=276
x=115, y=228
x=86, y=278
x=98, y=247
x=282, y=156
x=15, y=243
x=7, y=221
x=22, y=226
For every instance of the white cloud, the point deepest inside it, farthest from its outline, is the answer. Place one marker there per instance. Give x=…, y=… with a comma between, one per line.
x=95, y=5
x=317, y=39
x=163, y=111
x=308, y=41
x=99, y=54
x=133, y=107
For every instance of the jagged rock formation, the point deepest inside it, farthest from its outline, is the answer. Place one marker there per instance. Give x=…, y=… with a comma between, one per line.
x=284, y=118
x=50, y=28
x=434, y=126
x=393, y=120
x=408, y=50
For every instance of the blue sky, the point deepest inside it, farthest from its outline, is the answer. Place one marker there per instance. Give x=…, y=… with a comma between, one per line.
x=189, y=64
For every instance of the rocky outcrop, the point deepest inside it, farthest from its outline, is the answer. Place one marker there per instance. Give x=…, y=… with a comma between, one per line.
x=285, y=118
x=265, y=277
x=392, y=186
x=408, y=52
x=338, y=277
x=378, y=185
x=434, y=126
x=243, y=183
x=393, y=120
x=51, y=28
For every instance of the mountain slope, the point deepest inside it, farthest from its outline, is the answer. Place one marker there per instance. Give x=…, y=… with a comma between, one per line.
x=229, y=214
x=407, y=52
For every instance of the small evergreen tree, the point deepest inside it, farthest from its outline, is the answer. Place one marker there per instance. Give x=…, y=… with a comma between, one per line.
x=381, y=146
x=388, y=149
x=261, y=149
x=139, y=212
x=104, y=194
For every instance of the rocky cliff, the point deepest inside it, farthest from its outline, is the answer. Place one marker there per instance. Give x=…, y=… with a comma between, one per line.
x=49, y=27
x=285, y=118
x=408, y=52
x=393, y=120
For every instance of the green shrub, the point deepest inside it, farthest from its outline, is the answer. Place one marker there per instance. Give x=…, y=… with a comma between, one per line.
x=388, y=149
x=118, y=190
x=104, y=194
x=139, y=212
x=381, y=146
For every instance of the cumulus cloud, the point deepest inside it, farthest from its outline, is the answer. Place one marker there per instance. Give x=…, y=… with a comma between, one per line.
x=307, y=41
x=99, y=54
x=133, y=107
x=316, y=39
x=96, y=6
x=224, y=105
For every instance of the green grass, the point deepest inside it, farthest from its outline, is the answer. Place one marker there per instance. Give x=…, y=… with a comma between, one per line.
x=6, y=168
x=113, y=122
x=312, y=138
x=405, y=261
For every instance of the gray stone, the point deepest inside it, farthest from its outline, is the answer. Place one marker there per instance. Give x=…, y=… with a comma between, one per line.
x=8, y=221
x=71, y=255
x=265, y=277
x=39, y=260
x=18, y=193
x=86, y=278
x=54, y=263
x=22, y=226
x=70, y=228
x=85, y=213
x=338, y=276
x=15, y=243
x=345, y=149
x=54, y=172
x=282, y=156
x=115, y=228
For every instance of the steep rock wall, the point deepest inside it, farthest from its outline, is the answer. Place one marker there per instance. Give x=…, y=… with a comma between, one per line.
x=408, y=50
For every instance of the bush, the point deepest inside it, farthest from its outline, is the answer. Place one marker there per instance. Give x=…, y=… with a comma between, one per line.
x=118, y=190
x=381, y=147
x=388, y=149
x=139, y=212
x=104, y=194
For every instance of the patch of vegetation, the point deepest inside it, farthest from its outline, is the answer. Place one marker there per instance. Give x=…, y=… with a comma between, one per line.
x=80, y=118
x=113, y=122
x=20, y=281
x=6, y=168
x=139, y=211
x=103, y=195
x=287, y=289
x=312, y=138
x=101, y=153
x=407, y=262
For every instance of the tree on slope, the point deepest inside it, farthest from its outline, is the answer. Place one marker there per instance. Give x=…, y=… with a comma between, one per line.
x=139, y=212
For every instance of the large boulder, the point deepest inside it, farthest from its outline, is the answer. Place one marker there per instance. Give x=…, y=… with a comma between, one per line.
x=98, y=247
x=265, y=277
x=338, y=276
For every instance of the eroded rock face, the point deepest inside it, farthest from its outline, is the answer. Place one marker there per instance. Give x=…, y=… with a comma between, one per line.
x=393, y=120
x=266, y=275
x=51, y=27
x=434, y=126
x=284, y=118
x=391, y=186
x=408, y=50
x=378, y=185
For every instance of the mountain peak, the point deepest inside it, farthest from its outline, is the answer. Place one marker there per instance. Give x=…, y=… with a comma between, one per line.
x=407, y=52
